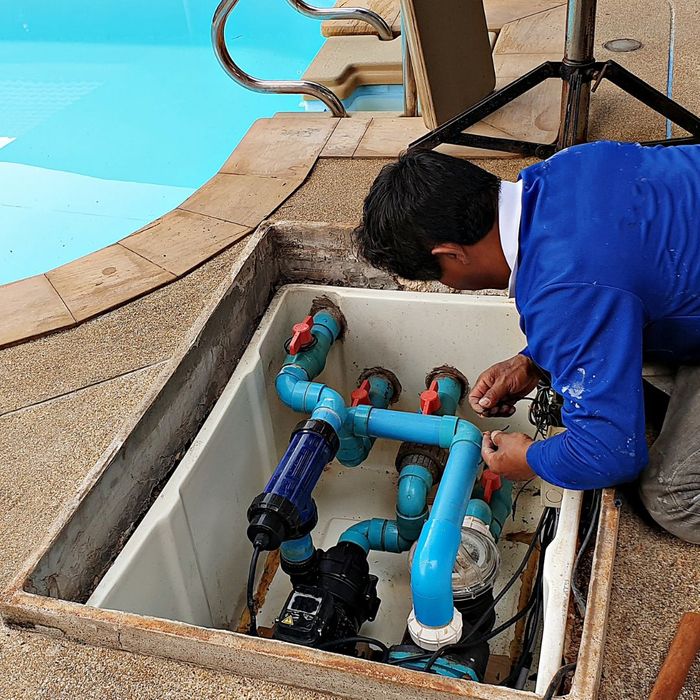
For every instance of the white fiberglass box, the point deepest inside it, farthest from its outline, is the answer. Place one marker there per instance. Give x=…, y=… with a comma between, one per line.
x=188, y=558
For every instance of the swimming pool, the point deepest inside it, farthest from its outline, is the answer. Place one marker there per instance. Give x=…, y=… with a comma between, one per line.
x=114, y=112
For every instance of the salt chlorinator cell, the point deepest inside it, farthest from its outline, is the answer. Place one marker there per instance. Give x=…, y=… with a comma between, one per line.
x=449, y=546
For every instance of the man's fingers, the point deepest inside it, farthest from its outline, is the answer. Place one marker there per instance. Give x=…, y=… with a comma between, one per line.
x=478, y=390
x=488, y=449
x=492, y=396
x=503, y=410
x=496, y=437
x=486, y=399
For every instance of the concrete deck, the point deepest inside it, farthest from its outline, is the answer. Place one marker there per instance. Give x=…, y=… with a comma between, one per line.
x=63, y=397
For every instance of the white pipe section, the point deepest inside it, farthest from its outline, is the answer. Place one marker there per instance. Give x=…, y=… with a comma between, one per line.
x=558, y=567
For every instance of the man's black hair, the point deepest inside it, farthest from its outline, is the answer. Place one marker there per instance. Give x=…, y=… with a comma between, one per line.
x=423, y=199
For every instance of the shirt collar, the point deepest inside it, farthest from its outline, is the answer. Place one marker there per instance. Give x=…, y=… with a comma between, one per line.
x=509, y=207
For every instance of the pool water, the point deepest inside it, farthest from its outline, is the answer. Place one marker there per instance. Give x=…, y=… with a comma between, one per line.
x=114, y=112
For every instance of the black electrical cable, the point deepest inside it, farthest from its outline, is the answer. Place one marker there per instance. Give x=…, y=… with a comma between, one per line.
x=434, y=656
x=545, y=520
x=556, y=681
x=544, y=411
x=517, y=496
x=579, y=598
x=253, y=629
x=357, y=640
x=467, y=642
x=520, y=669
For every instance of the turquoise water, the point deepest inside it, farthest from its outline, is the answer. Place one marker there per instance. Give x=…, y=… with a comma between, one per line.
x=114, y=111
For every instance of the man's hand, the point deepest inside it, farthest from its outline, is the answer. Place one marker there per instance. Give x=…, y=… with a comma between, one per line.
x=505, y=454
x=499, y=387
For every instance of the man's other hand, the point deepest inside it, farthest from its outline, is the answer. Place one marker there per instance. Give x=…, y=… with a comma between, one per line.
x=499, y=387
x=505, y=454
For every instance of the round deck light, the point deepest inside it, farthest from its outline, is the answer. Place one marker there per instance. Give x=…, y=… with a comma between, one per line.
x=622, y=45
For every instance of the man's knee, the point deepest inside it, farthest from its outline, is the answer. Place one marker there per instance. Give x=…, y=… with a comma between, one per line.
x=671, y=495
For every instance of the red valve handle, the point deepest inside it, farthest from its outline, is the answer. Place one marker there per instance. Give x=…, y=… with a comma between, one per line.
x=301, y=335
x=360, y=396
x=491, y=482
x=429, y=399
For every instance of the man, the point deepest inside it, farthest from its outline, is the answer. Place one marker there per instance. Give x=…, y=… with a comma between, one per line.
x=600, y=246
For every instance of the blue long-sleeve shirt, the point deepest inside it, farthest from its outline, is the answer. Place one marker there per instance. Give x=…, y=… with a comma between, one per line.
x=608, y=273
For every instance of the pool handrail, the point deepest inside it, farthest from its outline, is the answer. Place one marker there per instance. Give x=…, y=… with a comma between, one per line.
x=285, y=87
x=361, y=14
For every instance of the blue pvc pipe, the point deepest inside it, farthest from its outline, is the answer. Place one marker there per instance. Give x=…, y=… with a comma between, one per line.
x=450, y=392
x=299, y=550
x=415, y=482
x=293, y=383
x=404, y=426
x=433, y=562
x=377, y=534
x=353, y=450
x=381, y=391
x=501, y=507
x=477, y=508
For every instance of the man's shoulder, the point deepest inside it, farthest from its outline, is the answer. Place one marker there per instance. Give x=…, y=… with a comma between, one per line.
x=602, y=153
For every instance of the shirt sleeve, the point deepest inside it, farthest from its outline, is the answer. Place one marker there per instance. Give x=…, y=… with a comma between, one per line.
x=589, y=337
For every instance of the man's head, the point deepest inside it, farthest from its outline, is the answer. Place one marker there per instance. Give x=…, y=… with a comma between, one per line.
x=429, y=216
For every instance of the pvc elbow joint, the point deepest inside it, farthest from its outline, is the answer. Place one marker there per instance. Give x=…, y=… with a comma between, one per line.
x=295, y=390
x=377, y=534
x=415, y=483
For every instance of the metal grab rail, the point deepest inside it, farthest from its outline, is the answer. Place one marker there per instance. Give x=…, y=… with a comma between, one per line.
x=359, y=13
x=284, y=87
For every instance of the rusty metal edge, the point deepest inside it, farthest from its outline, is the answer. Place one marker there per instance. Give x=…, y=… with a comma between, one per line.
x=586, y=681
x=252, y=656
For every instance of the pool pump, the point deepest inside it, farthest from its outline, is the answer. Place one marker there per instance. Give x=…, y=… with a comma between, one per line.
x=337, y=597
x=450, y=546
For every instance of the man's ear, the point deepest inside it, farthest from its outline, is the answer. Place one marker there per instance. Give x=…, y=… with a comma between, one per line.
x=453, y=250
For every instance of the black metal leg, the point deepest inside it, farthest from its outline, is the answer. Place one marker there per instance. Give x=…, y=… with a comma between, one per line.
x=452, y=131
x=651, y=97
x=577, y=70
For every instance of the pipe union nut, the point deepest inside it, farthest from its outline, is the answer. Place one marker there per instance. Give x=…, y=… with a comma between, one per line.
x=432, y=638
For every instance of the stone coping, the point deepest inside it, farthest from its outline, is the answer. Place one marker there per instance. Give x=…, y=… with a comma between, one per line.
x=266, y=168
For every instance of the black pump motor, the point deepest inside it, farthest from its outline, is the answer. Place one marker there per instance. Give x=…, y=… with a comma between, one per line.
x=331, y=599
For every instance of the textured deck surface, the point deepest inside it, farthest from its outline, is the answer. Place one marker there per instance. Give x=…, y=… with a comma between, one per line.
x=62, y=398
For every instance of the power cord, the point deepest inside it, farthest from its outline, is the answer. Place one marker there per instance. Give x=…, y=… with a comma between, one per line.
x=253, y=629
x=545, y=410
x=519, y=672
x=326, y=646
x=579, y=597
x=556, y=681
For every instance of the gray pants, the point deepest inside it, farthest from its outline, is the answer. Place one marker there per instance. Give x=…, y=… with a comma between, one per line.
x=670, y=485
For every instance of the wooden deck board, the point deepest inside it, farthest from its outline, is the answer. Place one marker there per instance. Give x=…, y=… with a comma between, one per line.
x=498, y=14
x=285, y=146
x=241, y=199
x=389, y=10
